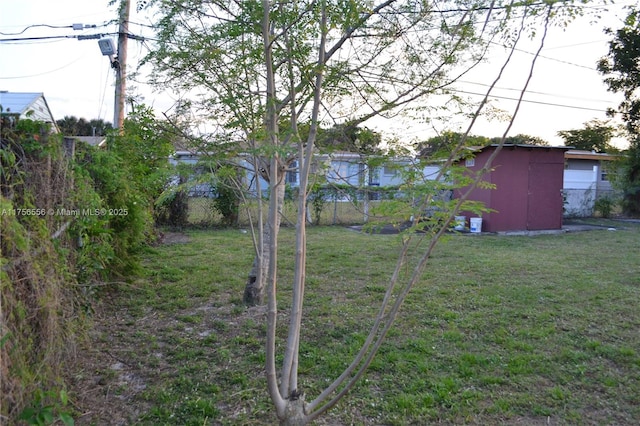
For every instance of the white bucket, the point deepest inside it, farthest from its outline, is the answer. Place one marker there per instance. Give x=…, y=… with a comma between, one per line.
x=475, y=224
x=460, y=223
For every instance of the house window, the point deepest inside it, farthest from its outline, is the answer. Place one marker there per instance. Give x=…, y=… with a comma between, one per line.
x=292, y=175
x=390, y=171
x=470, y=162
x=355, y=174
x=374, y=176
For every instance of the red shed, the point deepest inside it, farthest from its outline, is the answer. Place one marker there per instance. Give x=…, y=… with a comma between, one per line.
x=528, y=194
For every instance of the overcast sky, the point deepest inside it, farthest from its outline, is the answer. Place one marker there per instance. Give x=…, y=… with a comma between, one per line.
x=566, y=90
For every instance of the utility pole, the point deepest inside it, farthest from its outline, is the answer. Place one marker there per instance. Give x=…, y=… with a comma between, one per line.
x=121, y=65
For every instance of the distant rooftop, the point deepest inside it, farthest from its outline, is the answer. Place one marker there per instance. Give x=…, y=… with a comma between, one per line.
x=91, y=140
x=31, y=105
x=576, y=154
x=17, y=103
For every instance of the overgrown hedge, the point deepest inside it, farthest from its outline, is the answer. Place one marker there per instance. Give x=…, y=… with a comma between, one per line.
x=69, y=225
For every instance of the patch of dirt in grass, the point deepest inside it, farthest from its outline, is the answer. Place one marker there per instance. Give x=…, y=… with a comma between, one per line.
x=104, y=382
x=174, y=238
x=126, y=355
x=107, y=376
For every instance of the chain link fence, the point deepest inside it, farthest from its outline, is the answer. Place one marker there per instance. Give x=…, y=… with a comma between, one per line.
x=327, y=206
x=589, y=202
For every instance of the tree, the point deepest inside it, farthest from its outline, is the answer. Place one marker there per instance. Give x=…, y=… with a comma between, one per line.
x=621, y=68
x=351, y=138
x=441, y=145
x=216, y=46
x=522, y=139
x=596, y=136
x=72, y=126
x=336, y=62
x=145, y=146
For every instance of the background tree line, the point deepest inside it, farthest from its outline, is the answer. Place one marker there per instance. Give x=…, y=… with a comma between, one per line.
x=73, y=126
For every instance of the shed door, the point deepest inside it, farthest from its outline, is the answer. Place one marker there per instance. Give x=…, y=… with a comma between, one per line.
x=545, y=196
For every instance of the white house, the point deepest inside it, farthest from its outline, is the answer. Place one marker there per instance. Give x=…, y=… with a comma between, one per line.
x=196, y=189
x=27, y=105
x=340, y=168
x=359, y=171
x=585, y=181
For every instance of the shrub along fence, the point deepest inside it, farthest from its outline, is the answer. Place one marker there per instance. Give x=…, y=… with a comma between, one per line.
x=71, y=221
x=327, y=206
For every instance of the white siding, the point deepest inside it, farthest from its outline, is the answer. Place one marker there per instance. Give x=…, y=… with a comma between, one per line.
x=579, y=189
x=580, y=179
x=40, y=111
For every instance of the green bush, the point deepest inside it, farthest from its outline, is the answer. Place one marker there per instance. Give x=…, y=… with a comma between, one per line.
x=604, y=206
x=86, y=219
x=48, y=408
x=40, y=322
x=112, y=239
x=172, y=209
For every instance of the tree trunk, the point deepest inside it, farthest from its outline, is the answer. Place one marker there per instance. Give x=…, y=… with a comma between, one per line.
x=254, y=290
x=294, y=413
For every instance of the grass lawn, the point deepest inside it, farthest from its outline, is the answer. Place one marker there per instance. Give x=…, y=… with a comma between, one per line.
x=502, y=330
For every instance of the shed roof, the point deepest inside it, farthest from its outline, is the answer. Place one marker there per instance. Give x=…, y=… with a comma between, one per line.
x=512, y=146
x=521, y=145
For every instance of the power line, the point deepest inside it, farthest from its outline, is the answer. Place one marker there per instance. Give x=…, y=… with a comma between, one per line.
x=530, y=101
x=2, y=40
x=143, y=25
x=577, y=44
x=545, y=57
x=75, y=27
x=79, y=37
x=43, y=73
x=513, y=89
